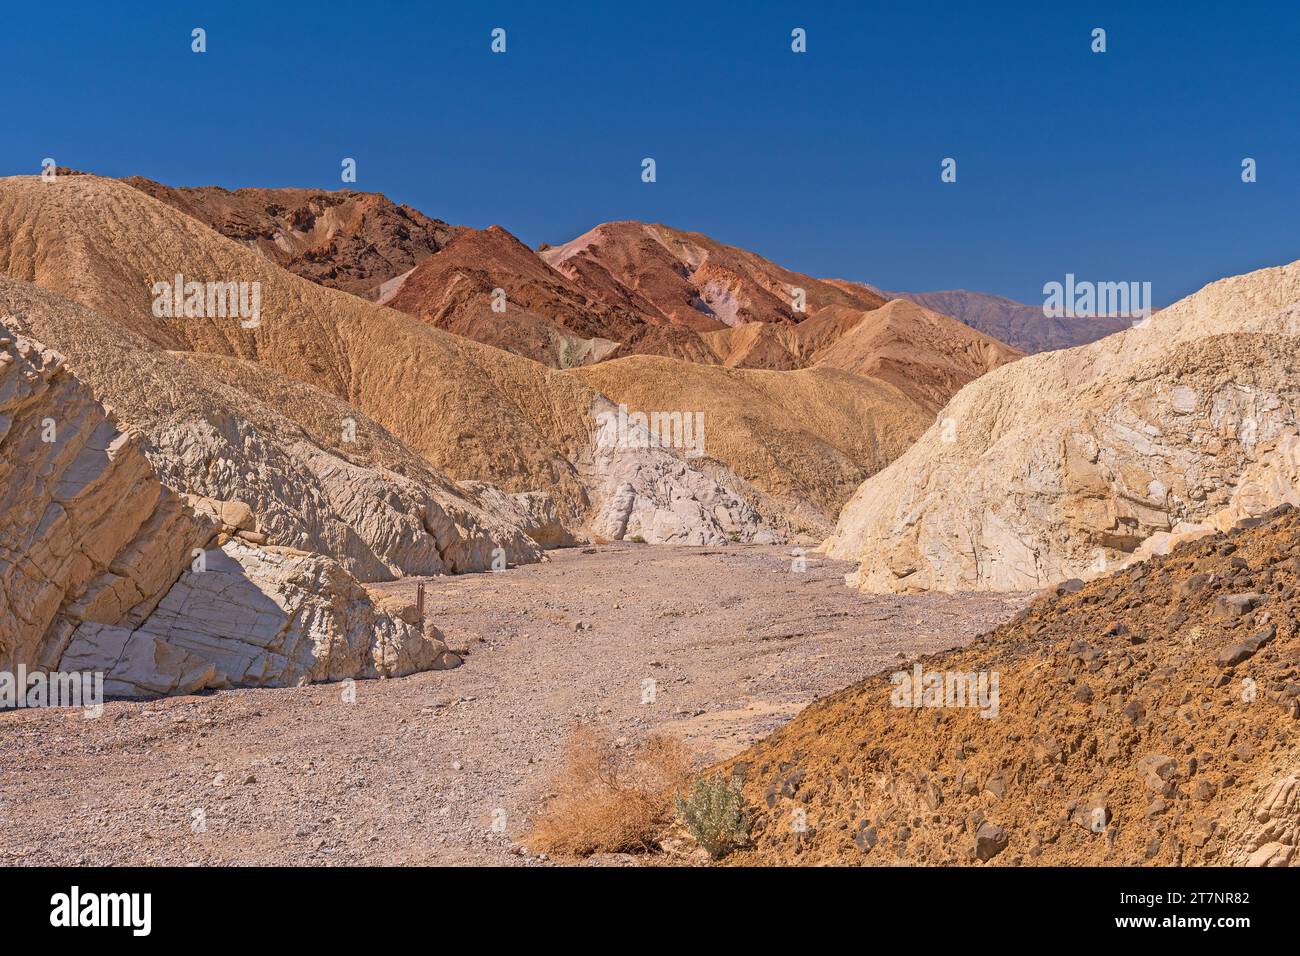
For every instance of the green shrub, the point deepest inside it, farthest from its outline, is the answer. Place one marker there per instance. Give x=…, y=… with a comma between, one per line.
x=715, y=814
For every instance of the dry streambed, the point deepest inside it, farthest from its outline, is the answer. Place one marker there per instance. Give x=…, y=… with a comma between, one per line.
x=715, y=646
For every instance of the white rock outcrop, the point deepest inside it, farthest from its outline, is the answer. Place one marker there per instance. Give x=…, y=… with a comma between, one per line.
x=87, y=533
x=255, y=617
x=658, y=496
x=1269, y=831
x=105, y=568
x=1068, y=464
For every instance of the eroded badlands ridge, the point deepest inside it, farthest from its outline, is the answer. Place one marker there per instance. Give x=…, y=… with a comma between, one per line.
x=354, y=241
x=471, y=412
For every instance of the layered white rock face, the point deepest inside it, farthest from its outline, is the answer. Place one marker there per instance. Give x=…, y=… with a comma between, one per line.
x=378, y=524
x=1068, y=464
x=535, y=512
x=256, y=617
x=105, y=568
x=87, y=533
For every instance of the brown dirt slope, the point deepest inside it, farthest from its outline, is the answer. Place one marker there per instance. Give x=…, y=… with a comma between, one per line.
x=801, y=434
x=344, y=239
x=1149, y=717
x=688, y=279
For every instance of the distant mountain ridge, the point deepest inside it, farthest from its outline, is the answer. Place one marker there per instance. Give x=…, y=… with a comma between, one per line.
x=1023, y=326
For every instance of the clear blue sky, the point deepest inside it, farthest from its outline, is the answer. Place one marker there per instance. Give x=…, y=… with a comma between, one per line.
x=1117, y=166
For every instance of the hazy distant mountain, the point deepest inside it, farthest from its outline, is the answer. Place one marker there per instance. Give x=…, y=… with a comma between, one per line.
x=1015, y=323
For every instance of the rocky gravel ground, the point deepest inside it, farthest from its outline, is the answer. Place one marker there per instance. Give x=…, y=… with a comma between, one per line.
x=716, y=646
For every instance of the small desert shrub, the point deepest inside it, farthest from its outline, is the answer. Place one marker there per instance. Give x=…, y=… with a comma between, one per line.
x=715, y=814
x=611, y=800
x=636, y=539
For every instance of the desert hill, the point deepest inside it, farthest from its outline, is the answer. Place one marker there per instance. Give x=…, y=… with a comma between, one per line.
x=318, y=475
x=688, y=279
x=473, y=412
x=1064, y=464
x=926, y=355
x=800, y=435
x=1149, y=717
x=344, y=239
x=365, y=244
x=539, y=312
x=623, y=288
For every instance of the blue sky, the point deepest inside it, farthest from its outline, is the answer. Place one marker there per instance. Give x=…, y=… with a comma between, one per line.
x=1117, y=166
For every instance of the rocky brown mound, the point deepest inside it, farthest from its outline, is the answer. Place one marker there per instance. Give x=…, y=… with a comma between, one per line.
x=538, y=312
x=343, y=239
x=1149, y=717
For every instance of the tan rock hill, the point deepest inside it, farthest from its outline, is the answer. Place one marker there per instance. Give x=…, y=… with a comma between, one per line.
x=354, y=241
x=926, y=355
x=1066, y=463
x=477, y=414
x=1021, y=326
x=690, y=280
x=806, y=435
x=1151, y=717
x=103, y=568
x=471, y=411
x=318, y=475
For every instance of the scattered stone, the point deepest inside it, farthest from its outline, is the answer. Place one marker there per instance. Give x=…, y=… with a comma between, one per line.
x=1234, y=654
x=1229, y=607
x=990, y=840
x=1156, y=770
x=1091, y=813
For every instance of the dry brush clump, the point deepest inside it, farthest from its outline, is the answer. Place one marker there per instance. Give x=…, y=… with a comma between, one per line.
x=611, y=799
x=714, y=813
